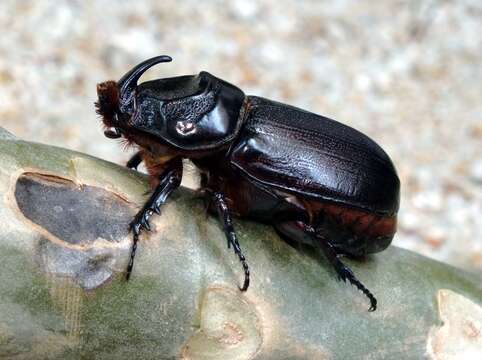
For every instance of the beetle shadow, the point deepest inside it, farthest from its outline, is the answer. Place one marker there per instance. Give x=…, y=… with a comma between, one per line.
x=361, y=259
x=305, y=249
x=315, y=254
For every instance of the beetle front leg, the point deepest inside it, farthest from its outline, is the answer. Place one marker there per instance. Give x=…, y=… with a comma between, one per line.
x=134, y=161
x=224, y=216
x=169, y=180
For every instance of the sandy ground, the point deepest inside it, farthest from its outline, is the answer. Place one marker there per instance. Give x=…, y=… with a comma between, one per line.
x=407, y=73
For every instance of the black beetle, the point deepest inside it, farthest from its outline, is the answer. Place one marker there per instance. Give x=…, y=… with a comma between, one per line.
x=316, y=180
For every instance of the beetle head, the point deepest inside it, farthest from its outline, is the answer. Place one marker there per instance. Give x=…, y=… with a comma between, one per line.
x=116, y=100
x=189, y=113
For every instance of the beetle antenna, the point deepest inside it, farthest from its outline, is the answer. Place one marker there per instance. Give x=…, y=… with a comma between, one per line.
x=108, y=102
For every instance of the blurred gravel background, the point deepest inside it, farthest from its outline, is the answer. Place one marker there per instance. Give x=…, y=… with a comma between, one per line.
x=407, y=73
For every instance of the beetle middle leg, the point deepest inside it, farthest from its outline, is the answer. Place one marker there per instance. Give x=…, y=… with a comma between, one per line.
x=169, y=180
x=302, y=232
x=225, y=217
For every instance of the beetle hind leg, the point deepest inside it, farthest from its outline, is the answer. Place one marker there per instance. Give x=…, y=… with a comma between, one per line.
x=307, y=234
x=344, y=272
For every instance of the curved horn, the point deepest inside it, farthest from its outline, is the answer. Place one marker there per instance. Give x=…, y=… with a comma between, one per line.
x=129, y=81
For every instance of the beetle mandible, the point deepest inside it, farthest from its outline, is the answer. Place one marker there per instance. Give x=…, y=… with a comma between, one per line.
x=315, y=180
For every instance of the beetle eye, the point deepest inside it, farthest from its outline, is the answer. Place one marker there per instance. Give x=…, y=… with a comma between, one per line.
x=112, y=134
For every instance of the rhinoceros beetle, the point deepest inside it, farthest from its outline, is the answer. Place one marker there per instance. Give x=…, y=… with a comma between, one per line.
x=315, y=180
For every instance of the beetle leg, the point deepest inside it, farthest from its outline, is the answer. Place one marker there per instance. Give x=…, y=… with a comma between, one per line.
x=169, y=181
x=225, y=218
x=299, y=231
x=134, y=161
x=343, y=271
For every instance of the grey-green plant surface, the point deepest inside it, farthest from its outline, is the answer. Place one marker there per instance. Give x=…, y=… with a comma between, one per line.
x=406, y=73
x=64, y=247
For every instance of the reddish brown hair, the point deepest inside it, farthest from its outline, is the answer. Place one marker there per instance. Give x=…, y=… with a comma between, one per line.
x=108, y=102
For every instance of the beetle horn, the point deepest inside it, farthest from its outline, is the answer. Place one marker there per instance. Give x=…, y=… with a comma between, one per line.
x=128, y=82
